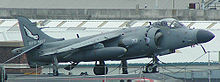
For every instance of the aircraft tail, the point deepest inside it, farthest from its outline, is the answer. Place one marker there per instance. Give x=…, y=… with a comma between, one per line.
x=32, y=34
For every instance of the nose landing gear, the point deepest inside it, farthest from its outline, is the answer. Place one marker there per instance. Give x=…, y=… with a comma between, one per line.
x=151, y=67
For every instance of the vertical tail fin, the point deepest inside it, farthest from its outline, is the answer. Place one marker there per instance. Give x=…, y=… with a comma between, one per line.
x=32, y=34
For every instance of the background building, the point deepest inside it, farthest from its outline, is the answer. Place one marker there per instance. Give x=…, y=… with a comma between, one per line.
x=111, y=9
x=111, y=4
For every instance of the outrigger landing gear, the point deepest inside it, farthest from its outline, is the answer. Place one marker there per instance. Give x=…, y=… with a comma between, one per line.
x=55, y=66
x=70, y=67
x=151, y=67
x=100, y=69
x=124, y=66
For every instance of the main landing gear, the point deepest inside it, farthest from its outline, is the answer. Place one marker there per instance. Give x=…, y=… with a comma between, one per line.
x=100, y=69
x=151, y=67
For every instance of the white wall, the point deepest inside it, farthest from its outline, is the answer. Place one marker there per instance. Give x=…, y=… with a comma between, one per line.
x=97, y=4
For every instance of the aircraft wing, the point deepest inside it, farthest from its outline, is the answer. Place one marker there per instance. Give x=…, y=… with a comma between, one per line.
x=88, y=42
x=26, y=49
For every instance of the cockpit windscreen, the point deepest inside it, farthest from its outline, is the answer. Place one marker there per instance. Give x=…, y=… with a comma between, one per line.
x=172, y=23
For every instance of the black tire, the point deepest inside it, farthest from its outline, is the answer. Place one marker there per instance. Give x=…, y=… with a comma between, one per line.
x=55, y=73
x=100, y=70
x=151, y=69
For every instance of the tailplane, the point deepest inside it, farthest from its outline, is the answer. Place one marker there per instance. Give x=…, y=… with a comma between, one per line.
x=31, y=34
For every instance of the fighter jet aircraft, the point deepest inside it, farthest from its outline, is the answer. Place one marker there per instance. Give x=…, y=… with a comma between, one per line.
x=158, y=39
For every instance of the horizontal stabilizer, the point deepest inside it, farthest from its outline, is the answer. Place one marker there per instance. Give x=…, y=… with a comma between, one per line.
x=28, y=48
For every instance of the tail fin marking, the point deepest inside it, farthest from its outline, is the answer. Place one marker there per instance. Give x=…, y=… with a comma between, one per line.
x=32, y=34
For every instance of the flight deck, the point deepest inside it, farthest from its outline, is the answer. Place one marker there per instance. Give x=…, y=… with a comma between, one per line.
x=89, y=78
x=199, y=76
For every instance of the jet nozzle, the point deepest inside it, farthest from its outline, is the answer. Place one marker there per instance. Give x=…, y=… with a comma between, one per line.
x=204, y=36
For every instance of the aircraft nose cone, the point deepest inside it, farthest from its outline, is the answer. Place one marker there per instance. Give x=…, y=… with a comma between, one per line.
x=204, y=36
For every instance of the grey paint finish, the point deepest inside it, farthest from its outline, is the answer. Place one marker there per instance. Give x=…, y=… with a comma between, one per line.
x=161, y=38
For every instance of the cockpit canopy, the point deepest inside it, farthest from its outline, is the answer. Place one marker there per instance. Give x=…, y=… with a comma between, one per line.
x=172, y=23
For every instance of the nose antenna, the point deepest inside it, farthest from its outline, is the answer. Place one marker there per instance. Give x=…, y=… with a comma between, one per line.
x=203, y=48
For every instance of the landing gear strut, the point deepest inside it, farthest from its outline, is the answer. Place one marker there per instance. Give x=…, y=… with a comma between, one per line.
x=100, y=69
x=55, y=66
x=151, y=67
x=124, y=66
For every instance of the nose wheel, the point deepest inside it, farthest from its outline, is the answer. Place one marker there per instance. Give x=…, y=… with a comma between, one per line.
x=151, y=67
